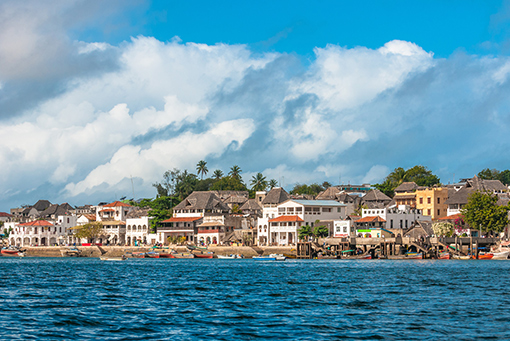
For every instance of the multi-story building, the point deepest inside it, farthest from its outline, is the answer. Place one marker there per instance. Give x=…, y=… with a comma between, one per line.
x=432, y=201
x=401, y=217
x=281, y=227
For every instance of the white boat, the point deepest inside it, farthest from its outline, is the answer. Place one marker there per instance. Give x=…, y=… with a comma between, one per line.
x=501, y=255
x=231, y=257
x=461, y=257
x=271, y=257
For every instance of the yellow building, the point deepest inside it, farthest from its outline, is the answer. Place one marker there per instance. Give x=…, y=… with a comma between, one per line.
x=431, y=201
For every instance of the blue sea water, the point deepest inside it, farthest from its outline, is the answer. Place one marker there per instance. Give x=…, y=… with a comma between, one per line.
x=165, y=299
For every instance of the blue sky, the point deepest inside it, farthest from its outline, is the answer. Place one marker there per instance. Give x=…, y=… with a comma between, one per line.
x=98, y=99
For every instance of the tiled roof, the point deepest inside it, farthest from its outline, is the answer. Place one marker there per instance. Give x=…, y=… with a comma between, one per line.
x=286, y=218
x=37, y=223
x=117, y=204
x=181, y=219
x=108, y=210
x=453, y=217
x=371, y=219
x=3, y=214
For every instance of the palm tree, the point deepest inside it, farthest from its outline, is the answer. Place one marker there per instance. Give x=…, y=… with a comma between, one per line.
x=235, y=171
x=273, y=183
x=202, y=168
x=218, y=174
x=304, y=232
x=258, y=182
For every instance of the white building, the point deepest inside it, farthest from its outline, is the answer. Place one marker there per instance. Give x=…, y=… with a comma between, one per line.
x=279, y=224
x=400, y=217
x=138, y=229
x=343, y=228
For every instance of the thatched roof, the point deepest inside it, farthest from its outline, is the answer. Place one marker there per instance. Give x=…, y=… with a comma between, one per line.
x=251, y=205
x=406, y=187
x=328, y=194
x=202, y=201
x=461, y=196
x=275, y=196
x=376, y=195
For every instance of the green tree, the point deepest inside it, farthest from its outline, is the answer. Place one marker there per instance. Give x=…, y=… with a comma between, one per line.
x=312, y=189
x=418, y=174
x=304, y=232
x=202, y=168
x=90, y=231
x=489, y=174
x=326, y=185
x=229, y=183
x=504, y=177
x=482, y=212
x=320, y=231
x=235, y=172
x=218, y=174
x=258, y=182
x=204, y=185
x=386, y=187
x=273, y=183
x=185, y=184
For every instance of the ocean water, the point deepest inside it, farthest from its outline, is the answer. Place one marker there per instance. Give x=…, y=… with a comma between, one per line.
x=165, y=299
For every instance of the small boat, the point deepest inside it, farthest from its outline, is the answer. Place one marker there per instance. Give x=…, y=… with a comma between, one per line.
x=114, y=259
x=193, y=248
x=485, y=256
x=182, y=255
x=165, y=255
x=414, y=255
x=151, y=254
x=271, y=257
x=138, y=254
x=11, y=251
x=500, y=255
x=231, y=257
x=444, y=255
x=207, y=255
x=70, y=252
x=461, y=257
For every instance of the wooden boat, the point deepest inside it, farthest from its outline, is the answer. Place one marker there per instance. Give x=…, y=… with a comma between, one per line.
x=206, y=255
x=271, y=257
x=414, y=255
x=165, y=255
x=500, y=255
x=290, y=255
x=485, y=256
x=461, y=257
x=231, y=257
x=182, y=255
x=138, y=254
x=11, y=251
x=151, y=255
x=114, y=259
x=444, y=255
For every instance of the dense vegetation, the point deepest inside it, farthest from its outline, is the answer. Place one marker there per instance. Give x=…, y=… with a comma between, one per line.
x=417, y=174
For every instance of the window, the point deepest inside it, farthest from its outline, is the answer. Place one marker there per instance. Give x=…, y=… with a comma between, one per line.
x=338, y=209
x=299, y=209
x=428, y=211
x=429, y=201
x=406, y=223
x=421, y=200
x=438, y=211
x=438, y=200
x=326, y=209
x=391, y=223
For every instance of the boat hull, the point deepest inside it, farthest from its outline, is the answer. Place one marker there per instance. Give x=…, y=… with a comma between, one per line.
x=444, y=256
x=503, y=255
x=112, y=259
x=486, y=256
x=10, y=252
x=203, y=255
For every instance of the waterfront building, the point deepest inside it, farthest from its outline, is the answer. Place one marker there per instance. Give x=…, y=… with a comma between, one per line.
x=405, y=194
x=401, y=217
x=458, y=199
x=280, y=222
x=138, y=230
x=432, y=201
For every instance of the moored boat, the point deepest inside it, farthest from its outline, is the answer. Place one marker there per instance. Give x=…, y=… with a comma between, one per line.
x=206, y=255
x=460, y=257
x=444, y=255
x=231, y=257
x=152, y=254
x=181, y=255
x=70, y=252
x=414, y=255
x=138, y=254
x=12, y=251
x=115, y=259
x=485, y=256
x=503, y=255
x=271, y=257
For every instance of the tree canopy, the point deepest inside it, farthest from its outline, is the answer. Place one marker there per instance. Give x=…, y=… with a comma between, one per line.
x=312, y=189
x=494, y=174
x=202, y=168
x=90, y=231
x=482, y=212
x=417, y=174
x=229, y=183
x=258, y=182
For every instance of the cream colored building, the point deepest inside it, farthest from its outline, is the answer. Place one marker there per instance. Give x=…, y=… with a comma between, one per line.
x=432, y=201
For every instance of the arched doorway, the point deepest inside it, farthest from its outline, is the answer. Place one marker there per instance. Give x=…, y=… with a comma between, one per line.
x=53, y=241
x=43, y=241
x=26, y=241
x=208, y=240
x=214, y=240
x=18, y=241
